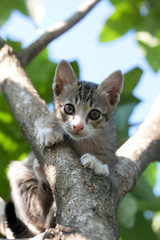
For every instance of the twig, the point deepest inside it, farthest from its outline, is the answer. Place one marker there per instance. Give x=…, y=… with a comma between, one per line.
x=141, y=149
x=54, y=32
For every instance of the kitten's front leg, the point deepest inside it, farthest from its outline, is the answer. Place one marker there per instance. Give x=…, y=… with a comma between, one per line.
x=90, y=161
x=48, y=137
x=48, y=133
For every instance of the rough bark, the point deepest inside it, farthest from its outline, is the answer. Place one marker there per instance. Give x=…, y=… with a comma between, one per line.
x=85, y=202
x=141, y=149
x=82, y=198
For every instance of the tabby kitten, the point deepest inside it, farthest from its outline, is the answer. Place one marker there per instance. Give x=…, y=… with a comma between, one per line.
x=83, y=114
x=31, y=209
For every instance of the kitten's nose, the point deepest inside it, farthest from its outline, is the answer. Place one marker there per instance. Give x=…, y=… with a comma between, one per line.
x=78, y=123
x=78, y=127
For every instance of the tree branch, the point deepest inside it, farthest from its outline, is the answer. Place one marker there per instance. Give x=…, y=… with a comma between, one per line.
x=81, y=196
x=85, y=202
x=54, y=32
x=141, y=149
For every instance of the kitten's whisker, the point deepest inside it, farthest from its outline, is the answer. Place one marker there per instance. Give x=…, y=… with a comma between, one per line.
x=102, y=137
x=93, y=142
x=60, y=134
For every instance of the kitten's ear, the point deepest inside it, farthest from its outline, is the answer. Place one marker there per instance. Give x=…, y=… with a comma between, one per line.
x=64, y=76
x=112, y=86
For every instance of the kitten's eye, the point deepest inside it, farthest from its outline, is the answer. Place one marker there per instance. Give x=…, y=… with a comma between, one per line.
x=69, y=109
x=94, y=114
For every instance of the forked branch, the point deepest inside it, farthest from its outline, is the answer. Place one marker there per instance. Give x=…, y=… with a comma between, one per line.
x=90, y=202
x=140, y=150
x=82, y=208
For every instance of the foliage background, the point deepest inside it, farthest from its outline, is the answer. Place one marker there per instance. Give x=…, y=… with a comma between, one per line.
x=138, y=214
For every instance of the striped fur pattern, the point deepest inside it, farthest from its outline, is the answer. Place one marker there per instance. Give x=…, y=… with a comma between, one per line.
x=30, y=210
x=84, y=113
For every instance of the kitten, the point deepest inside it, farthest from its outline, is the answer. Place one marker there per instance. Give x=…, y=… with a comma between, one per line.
x=30, y=210
x=84, y=116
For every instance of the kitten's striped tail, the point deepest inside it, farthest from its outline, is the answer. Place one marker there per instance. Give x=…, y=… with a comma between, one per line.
x=17, y=227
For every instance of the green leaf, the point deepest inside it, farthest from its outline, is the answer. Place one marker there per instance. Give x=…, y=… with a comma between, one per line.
x=149, y=206
x=115, y=2
x=122, y=114
x=141, y=16
x=5, y=117
x=127, y=103
x=152, y=54
x=124, y=18
x=140, y=231
x=127, y=211
x=131, y=80
x=12, y=144
x=75, y=66
x=21, y=6
x=135, y=2
x=143, y=191
x=7, y=6
x=17, y=46
x=4, y=189
x=127, y=100
x=150, y=174
x=41, y=72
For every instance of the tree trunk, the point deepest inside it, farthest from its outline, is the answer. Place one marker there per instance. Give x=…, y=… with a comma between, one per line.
x=86, y=204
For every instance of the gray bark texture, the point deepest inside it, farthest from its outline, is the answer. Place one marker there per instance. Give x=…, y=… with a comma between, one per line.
x=86, y=204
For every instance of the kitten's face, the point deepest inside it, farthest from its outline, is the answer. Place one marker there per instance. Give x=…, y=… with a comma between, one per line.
x=82, y=108
x=81, y=111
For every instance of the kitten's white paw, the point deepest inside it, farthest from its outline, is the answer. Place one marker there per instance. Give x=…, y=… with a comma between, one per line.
x=90, y=161
x=46, y=137
x=101, y=169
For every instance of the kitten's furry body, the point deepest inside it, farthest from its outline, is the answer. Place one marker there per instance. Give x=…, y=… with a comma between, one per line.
x=83, y=116
x=84, y=113
x=30, y=210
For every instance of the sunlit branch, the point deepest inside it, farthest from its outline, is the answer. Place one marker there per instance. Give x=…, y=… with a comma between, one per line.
x=54, y=32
